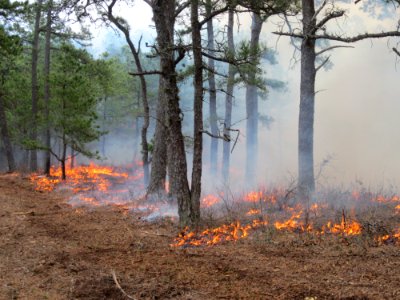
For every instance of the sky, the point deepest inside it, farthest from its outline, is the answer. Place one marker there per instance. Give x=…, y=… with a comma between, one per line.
x=357, y=124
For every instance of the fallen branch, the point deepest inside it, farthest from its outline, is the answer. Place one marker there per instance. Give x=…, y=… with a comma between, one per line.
x=119, y=286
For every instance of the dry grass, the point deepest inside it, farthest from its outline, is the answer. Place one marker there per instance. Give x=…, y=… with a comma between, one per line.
x=50, y=250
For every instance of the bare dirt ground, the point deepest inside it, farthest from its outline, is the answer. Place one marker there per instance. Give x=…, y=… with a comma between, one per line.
x=50, y=250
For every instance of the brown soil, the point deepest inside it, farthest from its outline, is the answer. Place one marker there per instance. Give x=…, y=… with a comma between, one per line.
x=50, y=250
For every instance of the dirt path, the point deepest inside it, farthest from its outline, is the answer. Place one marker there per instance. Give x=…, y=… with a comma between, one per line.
x=49, y=250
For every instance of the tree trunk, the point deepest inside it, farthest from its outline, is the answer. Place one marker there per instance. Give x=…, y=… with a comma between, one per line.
x=143, y=85
x=306, y=184
x=252, y=105
x=63, y=159
x=47, y=157
x=35, y=96
x=212, y=94
x=5, y=136
x=159, y=157
x=228, y=101
x=164, y=19
x=198, y=113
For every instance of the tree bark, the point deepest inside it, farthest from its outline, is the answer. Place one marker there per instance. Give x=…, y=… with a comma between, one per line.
x=198, y=113
x=228, y=101
x=252, y=105
x=306, y=184
x=164, y=19
x=35, y=87
x=212, y=94
x=47, y=50
x=143, y=85
x=159, y=158
x=5, y=136
x=63, y=160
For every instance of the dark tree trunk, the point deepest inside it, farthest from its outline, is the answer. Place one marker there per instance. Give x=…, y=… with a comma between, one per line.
x=228, y=101
x=143, y=85
x=212, y=94
x=306, y=182
x=47, y=158
x=164, y=19
x=63, y=159
x=5, y=136
x=35, y=88
x=198, y=113
x=252, y=105
x=159, y=157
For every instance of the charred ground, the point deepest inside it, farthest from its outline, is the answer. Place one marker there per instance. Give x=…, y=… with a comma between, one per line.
x=50, y=250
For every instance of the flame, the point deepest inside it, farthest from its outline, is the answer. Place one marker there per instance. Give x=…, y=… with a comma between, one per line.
x=80, y=178
x=209, y=237
x=253, y=196
x=253, y=211
x=293, y=224
x=209, y=200
x=346, y=228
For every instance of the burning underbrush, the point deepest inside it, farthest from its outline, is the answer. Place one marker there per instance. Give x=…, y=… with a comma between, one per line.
x=230, y=217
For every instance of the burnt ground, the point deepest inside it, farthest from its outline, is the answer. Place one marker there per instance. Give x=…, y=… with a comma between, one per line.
x=50, y=250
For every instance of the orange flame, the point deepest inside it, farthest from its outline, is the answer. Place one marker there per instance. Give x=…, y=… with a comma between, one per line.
x=208, y=237
x=209, y=200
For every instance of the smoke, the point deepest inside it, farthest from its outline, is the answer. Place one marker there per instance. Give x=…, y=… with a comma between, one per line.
x=356, y=115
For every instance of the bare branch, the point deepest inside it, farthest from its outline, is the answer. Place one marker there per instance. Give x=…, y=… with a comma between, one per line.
x=213, y=14
x=206, y=67
x=181, y=7
x=396, y=51
x=332, y=15
x=353, y=39
x=221, y=137
x=357, y=38
x=319, y=10
x=331, y=48
x=322, y=64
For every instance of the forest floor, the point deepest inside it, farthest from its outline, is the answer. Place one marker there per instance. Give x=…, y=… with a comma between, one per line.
x=51, y=250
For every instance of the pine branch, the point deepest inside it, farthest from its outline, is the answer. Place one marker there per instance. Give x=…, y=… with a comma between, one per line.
x=154, y=72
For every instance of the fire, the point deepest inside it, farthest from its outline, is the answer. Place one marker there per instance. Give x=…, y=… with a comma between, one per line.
x=80, y=178
x=346, y=228
x=209, y=200
x=253, y=196
x=293, y=224
x=232, y=232
x=253, y=211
